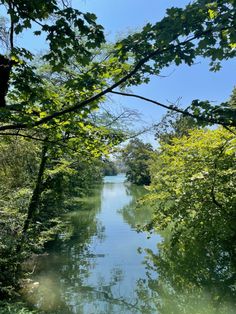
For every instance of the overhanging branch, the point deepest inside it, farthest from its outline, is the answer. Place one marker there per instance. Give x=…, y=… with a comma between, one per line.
x=177, y=109
x=82, y=104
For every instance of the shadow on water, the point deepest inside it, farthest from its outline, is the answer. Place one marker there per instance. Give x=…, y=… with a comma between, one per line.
x=103, y=265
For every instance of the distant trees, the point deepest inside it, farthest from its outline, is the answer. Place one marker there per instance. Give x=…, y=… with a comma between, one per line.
x=174, y=125
x=109, y=168
x=136, y=156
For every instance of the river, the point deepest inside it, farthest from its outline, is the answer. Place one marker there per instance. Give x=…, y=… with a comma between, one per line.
x=104, y=264
x=100, y=268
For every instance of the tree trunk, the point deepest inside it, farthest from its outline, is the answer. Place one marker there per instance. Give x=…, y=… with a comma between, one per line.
x=34, y=202
x=5, y=70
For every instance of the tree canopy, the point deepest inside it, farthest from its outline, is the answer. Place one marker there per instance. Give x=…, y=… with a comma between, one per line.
x=202, y=28
x=192, y=192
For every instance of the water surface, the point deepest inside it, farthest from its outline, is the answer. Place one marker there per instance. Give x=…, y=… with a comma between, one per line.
x=104, y=265
x=99, y=268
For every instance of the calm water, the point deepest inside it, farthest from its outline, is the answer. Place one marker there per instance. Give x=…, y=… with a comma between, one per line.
x=105, y=266
x=99, y=269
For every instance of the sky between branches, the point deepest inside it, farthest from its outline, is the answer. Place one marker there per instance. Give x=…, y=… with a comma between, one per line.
x=181, y=83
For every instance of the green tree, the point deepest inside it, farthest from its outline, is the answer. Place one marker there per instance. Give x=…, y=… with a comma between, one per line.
x=193, y=195
x=193, y=181
x=174, y=125
x=39, y=183
x=109, y=168
x=136, y=156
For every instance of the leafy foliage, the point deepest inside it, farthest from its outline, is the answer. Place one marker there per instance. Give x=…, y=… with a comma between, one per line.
x=200, y=29
x=174, y=125
x=194, y=178
x=193, y=194
x=136, y=156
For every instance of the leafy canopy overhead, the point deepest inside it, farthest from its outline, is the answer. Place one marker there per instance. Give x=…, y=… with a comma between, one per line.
x=202, y=28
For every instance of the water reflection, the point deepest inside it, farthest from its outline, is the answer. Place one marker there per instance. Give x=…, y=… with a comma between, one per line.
x=105, y=266
x=195, y=275
x=135, y=213
x=97, y=267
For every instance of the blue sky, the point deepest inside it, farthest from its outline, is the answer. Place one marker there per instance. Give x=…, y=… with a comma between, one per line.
x=184, y=82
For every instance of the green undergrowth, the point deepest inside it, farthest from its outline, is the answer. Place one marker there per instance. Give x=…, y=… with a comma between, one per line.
x=16, y=308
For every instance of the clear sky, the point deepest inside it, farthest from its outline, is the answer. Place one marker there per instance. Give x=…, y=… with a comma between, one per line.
x=196, y=82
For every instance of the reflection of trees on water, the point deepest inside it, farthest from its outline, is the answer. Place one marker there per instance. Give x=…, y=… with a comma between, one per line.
x=194, y=276
x=104, y=296
x=64, y=279
x=136, y=213
x=70, y=261
x=196, y=272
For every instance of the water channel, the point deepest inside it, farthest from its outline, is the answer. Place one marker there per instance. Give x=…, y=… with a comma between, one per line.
x=100, y=268
x=102, y=265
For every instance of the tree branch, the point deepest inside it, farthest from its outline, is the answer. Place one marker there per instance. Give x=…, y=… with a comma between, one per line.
x=177, y=109
x=109, y=89
x=11, y=7
x=230, y=130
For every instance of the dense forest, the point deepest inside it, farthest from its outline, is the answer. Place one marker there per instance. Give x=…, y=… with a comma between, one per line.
x=56, y=139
